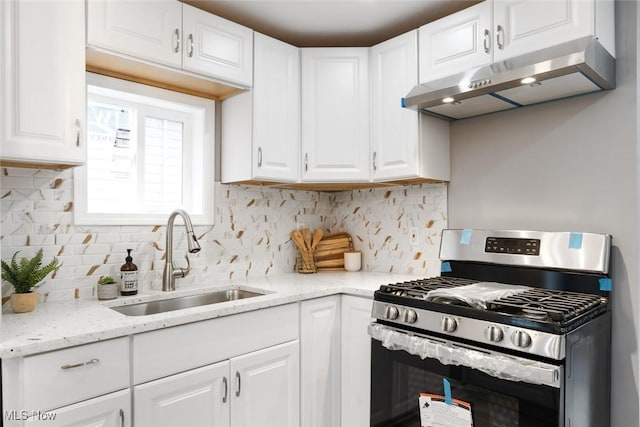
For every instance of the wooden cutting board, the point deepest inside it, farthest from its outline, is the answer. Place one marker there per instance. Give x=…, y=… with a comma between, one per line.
x=331, y=249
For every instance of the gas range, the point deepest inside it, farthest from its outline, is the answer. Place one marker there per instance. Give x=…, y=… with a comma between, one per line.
x=533, y=321
x=518, y=325
x=548, y=303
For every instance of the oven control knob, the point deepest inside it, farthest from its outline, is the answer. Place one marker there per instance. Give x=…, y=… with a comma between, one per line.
x=493, y=334
x=410, y=316
x=392, y=312
x=521, y=339
x=449, y=324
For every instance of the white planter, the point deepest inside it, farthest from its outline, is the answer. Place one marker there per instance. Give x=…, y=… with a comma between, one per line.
x=109, y=291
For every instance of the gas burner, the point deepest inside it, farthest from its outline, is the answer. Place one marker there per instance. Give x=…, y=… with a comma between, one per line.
x=534, y=314
x=417, y=289
x=557, y=306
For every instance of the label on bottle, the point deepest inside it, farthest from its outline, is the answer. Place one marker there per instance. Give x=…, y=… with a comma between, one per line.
x=129, y=282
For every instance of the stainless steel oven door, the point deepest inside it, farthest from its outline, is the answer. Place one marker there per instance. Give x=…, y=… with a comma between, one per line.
x=504, y=391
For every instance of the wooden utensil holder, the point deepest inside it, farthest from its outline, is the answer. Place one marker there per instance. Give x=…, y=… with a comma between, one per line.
x=306, y=262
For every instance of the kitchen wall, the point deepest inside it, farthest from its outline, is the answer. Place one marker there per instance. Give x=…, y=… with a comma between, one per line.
x=250, y=237
x=570, y=165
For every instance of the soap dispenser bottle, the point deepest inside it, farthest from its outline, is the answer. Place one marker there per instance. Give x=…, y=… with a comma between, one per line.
x=129, y=276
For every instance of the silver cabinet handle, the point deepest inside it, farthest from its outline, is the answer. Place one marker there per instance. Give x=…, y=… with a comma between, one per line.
x=500, y=37
x=239, y=384
x=306, y=162
x=121, y=418
x=190, y=52
x=177, y=33
x=487, y=41
x=77, y=365
x=375, y=154
x=226, y=389
x=259, y=157
x=78, y=129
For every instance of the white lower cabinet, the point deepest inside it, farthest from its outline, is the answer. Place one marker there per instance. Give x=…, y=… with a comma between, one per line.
x=335, y=361
x=320, y=362
x=111, y=410
x=87, y=385
x=199, y=397
x=266, y=387
x=259, y=388
x=356, y=361
x=240, y=370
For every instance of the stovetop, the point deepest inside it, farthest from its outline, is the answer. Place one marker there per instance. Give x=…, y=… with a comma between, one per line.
x=535, y=308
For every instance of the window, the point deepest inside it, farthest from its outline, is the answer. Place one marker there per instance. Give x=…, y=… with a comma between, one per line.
x=149, y=151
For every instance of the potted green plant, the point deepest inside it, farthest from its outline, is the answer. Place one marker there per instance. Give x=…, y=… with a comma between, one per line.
x=107, y=288
x=25, y=275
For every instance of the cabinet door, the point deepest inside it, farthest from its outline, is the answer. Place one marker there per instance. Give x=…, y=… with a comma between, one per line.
x=356, y=361
x=320, y=362
x=110, y=410
x=523, y=26
x=217, y=47
x=266, y=387
x=456, y=43
x=199, y=397
x=42, y=87
x=395, y=130
x=335, y=114
x=276, y=110
x=150, y=30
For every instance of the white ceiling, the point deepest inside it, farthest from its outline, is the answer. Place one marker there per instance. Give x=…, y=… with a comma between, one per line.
x=315, y=23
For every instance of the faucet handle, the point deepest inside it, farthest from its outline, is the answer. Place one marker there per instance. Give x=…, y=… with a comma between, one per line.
x=186, y=270
x=182, y=272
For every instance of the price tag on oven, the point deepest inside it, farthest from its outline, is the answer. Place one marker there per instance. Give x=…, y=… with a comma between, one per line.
x=436, y=411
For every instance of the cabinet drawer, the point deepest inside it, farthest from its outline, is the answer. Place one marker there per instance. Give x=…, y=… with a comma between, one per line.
x=66, y=376
x=168, y=351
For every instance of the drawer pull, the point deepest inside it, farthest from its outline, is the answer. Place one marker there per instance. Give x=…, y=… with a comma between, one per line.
x=239, y=384
x=190, y=51
x=177, y=33
x=77, y=365
x=226, y=389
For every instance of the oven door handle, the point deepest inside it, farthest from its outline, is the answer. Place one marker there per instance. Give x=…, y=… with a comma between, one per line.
x=499, y=365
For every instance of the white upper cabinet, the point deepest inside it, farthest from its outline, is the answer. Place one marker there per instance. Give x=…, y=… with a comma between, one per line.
x=261, y=128
x=401, y=147
x=335, y=114
x=456, y=43
x=495, y=30
x=174, y=34
x=42, y=83
x=217, y=47
x=528, y=25
x=150, y=30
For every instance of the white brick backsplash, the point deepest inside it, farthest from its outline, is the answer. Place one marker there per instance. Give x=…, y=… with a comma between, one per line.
x=249, y=239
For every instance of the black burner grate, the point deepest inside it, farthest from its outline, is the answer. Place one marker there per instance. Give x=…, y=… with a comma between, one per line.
x=545, y=304
x=536, y=304
x=419, y=288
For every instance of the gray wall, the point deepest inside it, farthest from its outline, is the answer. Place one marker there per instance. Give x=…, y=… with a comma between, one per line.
x=569, y=165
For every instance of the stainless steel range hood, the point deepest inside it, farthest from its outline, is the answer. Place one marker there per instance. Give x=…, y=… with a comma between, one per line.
x=569, y=69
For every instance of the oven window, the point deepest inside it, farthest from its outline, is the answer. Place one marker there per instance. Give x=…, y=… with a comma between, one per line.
x=397, y=379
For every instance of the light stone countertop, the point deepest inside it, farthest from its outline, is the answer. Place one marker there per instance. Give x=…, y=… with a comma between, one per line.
x=60, y=324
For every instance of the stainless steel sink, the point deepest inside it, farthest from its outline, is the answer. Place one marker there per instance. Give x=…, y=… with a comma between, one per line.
x=179, y=303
